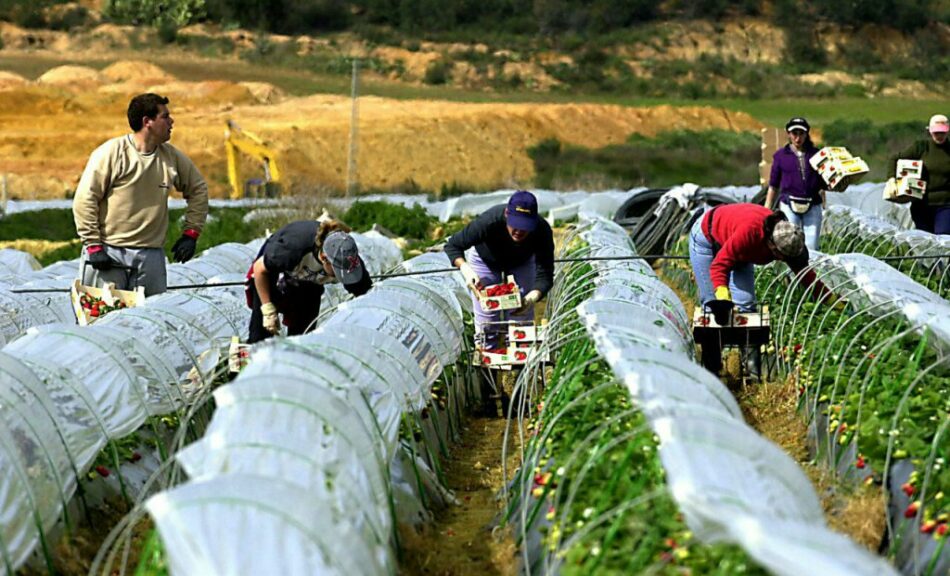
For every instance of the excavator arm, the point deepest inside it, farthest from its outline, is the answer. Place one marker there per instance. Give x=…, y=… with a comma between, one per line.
x=237, y=140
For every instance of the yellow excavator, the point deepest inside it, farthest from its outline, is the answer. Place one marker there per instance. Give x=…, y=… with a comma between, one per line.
x=237, y=140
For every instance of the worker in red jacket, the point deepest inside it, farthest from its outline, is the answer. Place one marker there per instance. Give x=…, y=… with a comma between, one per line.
x=726, y=243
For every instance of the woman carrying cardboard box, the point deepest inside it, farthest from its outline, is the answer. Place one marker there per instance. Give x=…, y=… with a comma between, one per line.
x=932, y=212
x=800, y=188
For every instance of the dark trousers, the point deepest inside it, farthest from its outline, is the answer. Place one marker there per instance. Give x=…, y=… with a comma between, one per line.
x=299, y=304
x=933, y=219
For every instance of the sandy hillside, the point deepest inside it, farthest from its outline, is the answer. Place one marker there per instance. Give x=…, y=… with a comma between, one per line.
x=49, y=126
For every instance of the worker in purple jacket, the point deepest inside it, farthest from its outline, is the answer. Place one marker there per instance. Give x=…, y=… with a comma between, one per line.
x=505, y=239
x=801, y=193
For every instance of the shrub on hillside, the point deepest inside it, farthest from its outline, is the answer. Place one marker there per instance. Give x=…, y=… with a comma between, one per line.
x=406, y=222
x=155, y=12
x=438, y=72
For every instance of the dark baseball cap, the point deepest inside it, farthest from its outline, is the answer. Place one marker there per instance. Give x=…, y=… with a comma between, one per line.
x=797, y=123
x=523, y=211
x=341, y=249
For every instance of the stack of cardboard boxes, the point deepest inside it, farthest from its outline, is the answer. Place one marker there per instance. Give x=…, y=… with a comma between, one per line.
x=838, y=168
x=909, y=184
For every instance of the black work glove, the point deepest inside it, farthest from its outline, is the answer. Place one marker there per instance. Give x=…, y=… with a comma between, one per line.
x=184, y=249
x=98, y=259
x=721, y=311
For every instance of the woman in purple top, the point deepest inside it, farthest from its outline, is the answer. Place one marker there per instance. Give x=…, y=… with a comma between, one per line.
x=800, y=188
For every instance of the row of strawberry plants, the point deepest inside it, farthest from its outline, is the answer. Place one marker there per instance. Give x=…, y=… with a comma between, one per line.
x=607, y=484
x=347, y=422
x=873, y=382
x=849, y=230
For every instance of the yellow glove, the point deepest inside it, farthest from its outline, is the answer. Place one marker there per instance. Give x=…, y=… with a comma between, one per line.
x=722, y=293
x=271, y=321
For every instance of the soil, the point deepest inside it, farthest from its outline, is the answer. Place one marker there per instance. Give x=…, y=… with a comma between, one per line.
x=66, y=93
x=771, y=408
x=463, y=539
x=48, y=128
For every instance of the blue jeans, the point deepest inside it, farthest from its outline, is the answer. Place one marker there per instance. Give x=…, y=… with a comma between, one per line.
x=741, y=279
x=810, y=222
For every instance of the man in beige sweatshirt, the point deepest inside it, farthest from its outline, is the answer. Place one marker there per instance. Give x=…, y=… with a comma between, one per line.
x=121, y=204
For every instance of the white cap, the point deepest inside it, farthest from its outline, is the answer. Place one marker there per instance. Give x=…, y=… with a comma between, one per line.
x=939, y=123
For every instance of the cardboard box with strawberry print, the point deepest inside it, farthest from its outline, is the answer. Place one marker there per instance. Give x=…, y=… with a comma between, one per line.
x=498, y=297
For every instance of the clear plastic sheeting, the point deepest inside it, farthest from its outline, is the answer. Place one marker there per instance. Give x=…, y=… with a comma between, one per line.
x=444, y=282
x=314, y=494
x=868, y=198
x=16, y=262
x=731, y=484
x=872, y=285
x=201, y=524
x=66, y=390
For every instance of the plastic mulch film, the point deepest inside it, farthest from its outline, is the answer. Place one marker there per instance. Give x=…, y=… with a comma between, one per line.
x=381, y=315
x=731, y=484
x=221, y=315
x=18, y=312
x=849, y=230
x=871, y=284
x=274, y=526
x=16, y=262
x=449, y=313
x=445, y=282
x=389, y=367
x=38, y=444
x=379, y=253
x=340, y=395
x=868, y=198
x=98, y=363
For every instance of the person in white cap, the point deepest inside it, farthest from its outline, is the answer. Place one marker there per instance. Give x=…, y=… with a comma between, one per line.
x=932, y=212
x=290, y=270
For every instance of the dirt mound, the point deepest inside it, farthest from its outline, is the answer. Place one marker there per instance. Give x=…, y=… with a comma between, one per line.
x=10, y=80
x=415, y=63
x=137, y=71
x=71, y=76
x=263, y=92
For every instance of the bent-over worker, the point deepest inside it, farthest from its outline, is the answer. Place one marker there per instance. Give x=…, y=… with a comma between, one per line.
x=290, y=270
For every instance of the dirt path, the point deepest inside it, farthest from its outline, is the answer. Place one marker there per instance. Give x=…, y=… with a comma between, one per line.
x=461, y=540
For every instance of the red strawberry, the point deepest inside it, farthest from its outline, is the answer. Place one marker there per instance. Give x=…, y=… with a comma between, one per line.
x=486, y=360
x=942, y=530
x=912, y=509
x=492, y=304
x=520, y=334
x=520, y=356
x=908, y=488
x=103, y=471
x=928, y=527
x=860, y=462
x=94, y=312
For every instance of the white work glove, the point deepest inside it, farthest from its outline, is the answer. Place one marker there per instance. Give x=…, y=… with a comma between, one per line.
x=529, y=300
x=472, y=281
x=271, y=321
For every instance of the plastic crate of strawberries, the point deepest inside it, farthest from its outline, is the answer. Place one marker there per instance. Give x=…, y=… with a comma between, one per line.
x=504, y=296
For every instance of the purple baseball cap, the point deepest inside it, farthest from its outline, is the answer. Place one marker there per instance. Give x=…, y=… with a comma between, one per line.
x=523, y=211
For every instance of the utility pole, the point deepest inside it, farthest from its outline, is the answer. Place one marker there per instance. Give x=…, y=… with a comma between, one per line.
x=3, y=195
x=352, y=178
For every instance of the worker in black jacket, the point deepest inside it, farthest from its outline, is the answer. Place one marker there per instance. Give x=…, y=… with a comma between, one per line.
x=290, y=270
x=507, y=240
